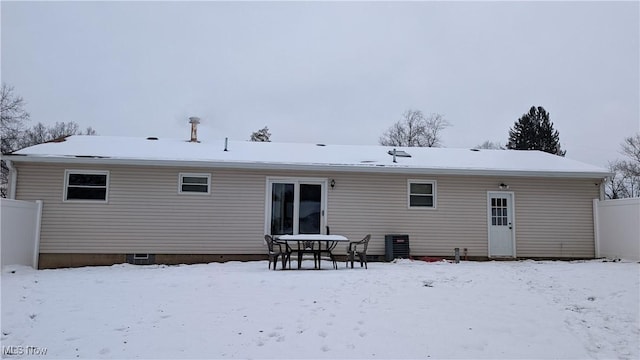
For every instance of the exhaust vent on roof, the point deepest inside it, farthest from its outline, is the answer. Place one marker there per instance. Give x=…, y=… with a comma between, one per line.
x=194, y=121
x=399, y=153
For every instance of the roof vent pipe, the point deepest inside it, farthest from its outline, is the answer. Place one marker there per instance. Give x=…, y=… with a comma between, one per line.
x=226, y=143
x=194, y=121
x=394, y=156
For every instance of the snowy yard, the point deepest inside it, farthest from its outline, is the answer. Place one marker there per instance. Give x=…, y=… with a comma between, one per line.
x=408, y=309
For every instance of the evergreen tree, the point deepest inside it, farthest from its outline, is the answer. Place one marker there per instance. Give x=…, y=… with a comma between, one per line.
x=534, y=131
x=262, y=135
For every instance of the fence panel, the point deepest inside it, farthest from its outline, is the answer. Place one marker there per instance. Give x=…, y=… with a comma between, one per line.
x=618, y=228
x=20, y=221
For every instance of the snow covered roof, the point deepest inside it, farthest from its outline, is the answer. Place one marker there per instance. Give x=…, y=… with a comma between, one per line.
x=295, y=156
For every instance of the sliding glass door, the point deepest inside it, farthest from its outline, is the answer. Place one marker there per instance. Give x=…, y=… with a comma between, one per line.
x=310, y=218
x=296, y=206
x=282, y=200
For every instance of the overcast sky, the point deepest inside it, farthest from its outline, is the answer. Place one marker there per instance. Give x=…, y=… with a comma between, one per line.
x=329, y=72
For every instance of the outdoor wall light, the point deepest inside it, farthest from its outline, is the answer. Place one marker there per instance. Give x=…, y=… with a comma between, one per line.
x=503, y=186
x=333, y=183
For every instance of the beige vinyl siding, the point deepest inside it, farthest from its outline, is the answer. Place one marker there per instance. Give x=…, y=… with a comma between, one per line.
x=145, y=213
x=554, y=218
x=377, y=204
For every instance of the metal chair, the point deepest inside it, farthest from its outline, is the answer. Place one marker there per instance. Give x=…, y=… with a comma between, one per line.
x=308, y=248
x=359, y=249
x=275, y=251
x=327, y=253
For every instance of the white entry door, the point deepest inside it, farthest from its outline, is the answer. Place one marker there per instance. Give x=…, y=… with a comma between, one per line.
x=501, y=227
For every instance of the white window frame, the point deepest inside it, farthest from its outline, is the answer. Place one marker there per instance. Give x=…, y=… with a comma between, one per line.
x=202, y=175
x=69, y=172
x=434, y=186
x=296, y=181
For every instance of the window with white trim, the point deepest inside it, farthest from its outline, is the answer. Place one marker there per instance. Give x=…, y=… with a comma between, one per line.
x=422, y=194
x=191, y=183
x=86, y=185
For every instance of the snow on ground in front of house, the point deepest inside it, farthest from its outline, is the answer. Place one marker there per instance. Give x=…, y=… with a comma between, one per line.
x=407, y=309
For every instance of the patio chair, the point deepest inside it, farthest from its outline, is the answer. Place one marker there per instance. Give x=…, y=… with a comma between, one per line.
x=306, y=248
x=358, y=249
x=327, y=253
x=276, y=250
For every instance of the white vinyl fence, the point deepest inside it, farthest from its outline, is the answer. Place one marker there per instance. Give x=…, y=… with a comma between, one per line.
x=617, y=224
x=20, y=232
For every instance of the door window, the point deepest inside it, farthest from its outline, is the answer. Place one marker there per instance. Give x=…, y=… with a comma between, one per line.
x=310, y=208
x=499, y=212
x=282, y=200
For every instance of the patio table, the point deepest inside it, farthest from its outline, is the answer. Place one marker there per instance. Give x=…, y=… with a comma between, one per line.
x=329, y=241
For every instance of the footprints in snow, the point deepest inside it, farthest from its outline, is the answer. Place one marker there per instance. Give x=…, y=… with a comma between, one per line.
x=360, y=333
x=272, y=335
x=276, y=336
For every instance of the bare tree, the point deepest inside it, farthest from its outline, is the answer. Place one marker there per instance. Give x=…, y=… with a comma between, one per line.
x=12, y=118
x=40, y=133
x=14, y=135
x=62, y=129
x=617, y=185
x=415, y=130
x=262, y=135
x=625, y=181
x=490, y=145
x=631, y=148
x=37, y=134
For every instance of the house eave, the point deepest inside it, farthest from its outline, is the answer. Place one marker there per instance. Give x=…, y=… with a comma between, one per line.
x=364, y=168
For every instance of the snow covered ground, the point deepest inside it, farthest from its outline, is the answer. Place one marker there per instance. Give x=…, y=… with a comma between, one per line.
x=407, y=309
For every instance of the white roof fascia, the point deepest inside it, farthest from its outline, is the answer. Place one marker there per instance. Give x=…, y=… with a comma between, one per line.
x=368, y=168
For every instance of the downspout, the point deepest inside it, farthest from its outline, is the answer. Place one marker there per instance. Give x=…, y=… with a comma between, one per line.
x=13, y=179
x=596, y=217
x=596, y=227
x=36, y=253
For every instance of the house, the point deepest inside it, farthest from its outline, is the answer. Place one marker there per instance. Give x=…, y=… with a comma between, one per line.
x=110, y=200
